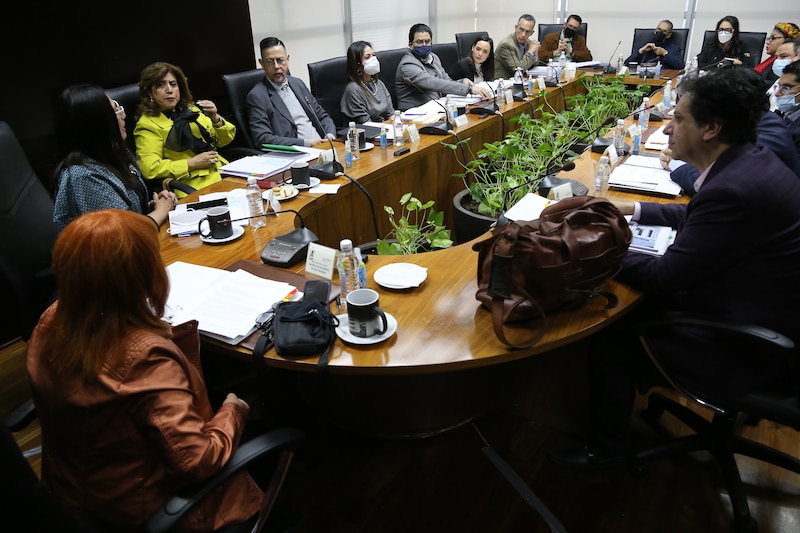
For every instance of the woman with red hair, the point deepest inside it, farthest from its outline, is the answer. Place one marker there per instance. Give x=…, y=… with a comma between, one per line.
x=125, y=415
x=767, y=68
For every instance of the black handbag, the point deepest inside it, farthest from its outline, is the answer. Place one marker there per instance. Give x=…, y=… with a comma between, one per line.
x=304, y=329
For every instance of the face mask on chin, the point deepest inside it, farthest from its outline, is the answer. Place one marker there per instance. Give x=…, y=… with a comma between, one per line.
x=786, y=104
x=778, y=65
x=372, y=66
x=422, y=52
x=724, y=37
x=569, y=33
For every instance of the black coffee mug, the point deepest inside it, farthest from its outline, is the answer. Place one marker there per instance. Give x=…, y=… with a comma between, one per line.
x=218, y=220
x=364, y=317
x=301, y=173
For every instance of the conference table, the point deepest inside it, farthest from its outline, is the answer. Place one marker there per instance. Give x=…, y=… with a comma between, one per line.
x=444, y=364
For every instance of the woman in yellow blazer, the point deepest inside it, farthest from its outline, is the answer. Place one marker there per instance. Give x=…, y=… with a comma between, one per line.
x=175, y=136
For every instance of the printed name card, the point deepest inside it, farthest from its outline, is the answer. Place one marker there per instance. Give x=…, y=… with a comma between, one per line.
x=320, y=260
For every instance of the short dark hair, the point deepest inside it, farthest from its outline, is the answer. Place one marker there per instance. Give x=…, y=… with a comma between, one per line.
x=576, y=17
x=528, y=17
x=671, y=25
x=419, y=27
x=728, y=97
x=270, y=42
x=793, y=68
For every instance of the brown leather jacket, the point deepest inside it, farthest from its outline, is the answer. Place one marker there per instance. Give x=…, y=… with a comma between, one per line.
x=115, y=450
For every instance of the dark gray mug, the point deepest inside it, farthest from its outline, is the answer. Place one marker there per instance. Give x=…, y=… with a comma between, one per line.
x=301, y=173
x=364, y=317
x=218, y=220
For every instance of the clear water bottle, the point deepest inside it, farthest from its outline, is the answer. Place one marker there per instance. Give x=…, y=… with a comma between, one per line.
x=362, y=269
x=601, y=177
x=620, y=64
x=562, y=61
x=347, y=265
x=644, y=114
x=619, y=137
x=397, y=124
x=658, y=70
x=384, y=137
x=352, y=140
x=450, y=109
x=667, y=99
x=500, y=97
x=348, y=153
x=256, y=204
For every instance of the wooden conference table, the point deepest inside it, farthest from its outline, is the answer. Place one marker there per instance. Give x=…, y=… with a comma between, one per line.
x=445, y=348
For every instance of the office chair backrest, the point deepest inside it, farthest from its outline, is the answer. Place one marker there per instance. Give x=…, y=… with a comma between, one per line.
x=390, y=59
x=546, y=29
x=328, y=79
x=128, y=97
x=27, y=235
x=464, y=42
x=237, y=86
x=642, y=36
x=448, y=54
x=754, y=40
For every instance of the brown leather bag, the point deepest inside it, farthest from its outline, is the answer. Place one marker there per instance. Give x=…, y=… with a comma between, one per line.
x=528, y=269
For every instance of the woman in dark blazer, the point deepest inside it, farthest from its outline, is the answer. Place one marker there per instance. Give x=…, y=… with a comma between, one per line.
x=725, y=43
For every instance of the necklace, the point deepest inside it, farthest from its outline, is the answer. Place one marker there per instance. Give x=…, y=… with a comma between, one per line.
x=372, y=87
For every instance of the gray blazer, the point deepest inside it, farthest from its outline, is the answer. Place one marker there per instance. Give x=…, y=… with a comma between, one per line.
x=428, y=78
x=270, y=120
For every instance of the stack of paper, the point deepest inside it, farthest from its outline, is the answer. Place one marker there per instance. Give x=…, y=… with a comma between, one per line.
x=432, y=111
x=658, y=140
x=643, y=174
x=225, y=304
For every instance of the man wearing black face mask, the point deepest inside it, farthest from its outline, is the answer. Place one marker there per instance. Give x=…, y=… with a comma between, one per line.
x=659, y=48
x=567, y=40
x=420, y=71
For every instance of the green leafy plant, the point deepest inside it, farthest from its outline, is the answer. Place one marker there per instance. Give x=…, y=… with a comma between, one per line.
x=419, y=228
x=604, y=97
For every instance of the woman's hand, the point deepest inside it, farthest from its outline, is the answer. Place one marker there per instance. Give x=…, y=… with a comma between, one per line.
x=161, y=204
x=203, y=160
x=209, y=108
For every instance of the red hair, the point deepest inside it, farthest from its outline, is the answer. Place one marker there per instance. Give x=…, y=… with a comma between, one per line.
x=111, y=278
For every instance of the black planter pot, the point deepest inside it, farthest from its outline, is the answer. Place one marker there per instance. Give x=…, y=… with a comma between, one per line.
x=467, y=224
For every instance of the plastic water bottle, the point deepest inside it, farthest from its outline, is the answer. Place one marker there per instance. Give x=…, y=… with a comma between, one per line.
x=562, y=60
x=383, y=137
x=667, y=99
x=500, y=98
x=347, y=265
x=362, y=269
x=637, y=139
x=619, y=137
x=451, y=109
x=397, y=124
x=620, y=64
x=352, y=140
x=658, y=70
x=601, y=177
x=644, y=114
x=256, y=203
x=348, y=153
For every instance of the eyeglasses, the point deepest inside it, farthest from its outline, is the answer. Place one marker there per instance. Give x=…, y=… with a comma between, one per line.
x=725, y=30
x=270, y=62
x=119, y=109
x=773, y=37
x=423, y=42
x=786, y=89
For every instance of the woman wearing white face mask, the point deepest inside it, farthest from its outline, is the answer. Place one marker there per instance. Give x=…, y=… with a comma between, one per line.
x=480, y=65
x=725, y=44
x=365, y=97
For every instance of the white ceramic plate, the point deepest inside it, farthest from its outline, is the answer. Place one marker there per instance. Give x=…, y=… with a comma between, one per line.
x=314, y=183
x=295, y=192
x=238, y=231
x=400, y=276
x=343, y=331
x=367, y=147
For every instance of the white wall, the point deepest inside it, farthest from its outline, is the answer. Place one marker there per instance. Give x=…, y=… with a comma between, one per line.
x=315, y=29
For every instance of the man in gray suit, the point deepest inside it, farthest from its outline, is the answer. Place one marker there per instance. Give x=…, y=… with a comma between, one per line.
x=280, y=108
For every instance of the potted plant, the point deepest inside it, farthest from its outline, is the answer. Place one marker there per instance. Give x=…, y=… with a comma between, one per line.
x=419, y=228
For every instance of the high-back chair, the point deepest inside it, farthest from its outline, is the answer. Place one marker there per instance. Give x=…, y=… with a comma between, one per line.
x=390, y=59
x=448, y=54
x=546, y=29
x=237, y=85
x=328, y=79
x=645, y=35
x=720, y=436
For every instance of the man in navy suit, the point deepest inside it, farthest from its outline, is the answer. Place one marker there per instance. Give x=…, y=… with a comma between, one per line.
x=280, y=108
x=736, y=256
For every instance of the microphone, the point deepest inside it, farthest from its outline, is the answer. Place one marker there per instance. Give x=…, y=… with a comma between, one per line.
x=550, y=181
x=437, y=128
x=609, y=69
x=290, y=248
x=369, y=199
x=327, y=170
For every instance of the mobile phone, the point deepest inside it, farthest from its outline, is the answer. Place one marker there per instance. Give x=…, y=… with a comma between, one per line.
x=317, y=289
x=402, y=151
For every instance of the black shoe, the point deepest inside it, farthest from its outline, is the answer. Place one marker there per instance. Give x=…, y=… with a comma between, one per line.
x=584, y=457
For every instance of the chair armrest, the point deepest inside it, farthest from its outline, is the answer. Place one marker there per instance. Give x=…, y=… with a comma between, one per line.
x=21, y=416
x=176, y=507
x=176, y=185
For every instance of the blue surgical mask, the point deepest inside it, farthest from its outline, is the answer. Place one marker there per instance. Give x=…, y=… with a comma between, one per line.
x=422, y=52
x=778, y=65
x=786, y=104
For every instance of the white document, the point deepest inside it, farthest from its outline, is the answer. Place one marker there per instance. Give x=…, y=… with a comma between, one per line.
x=183, y=222
x=529, y=208
x=225, y=304
x=658, y=140
x=644, y=161
x=260, y=166
x=652, y=240
x=431, y=111
x=643, y=179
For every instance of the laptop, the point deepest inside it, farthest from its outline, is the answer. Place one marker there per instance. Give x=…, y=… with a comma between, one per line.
x=370, y=132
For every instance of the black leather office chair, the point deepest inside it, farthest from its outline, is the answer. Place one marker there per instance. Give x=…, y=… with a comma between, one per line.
x=546, y=29
x=720, y=436
x=390, y=59
x=754, y=40
x=27, y=235
x=464, y=42
x=448, y=54
x=645, y=35
x=33, y=507
x=237, y=86
x=328, y=79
